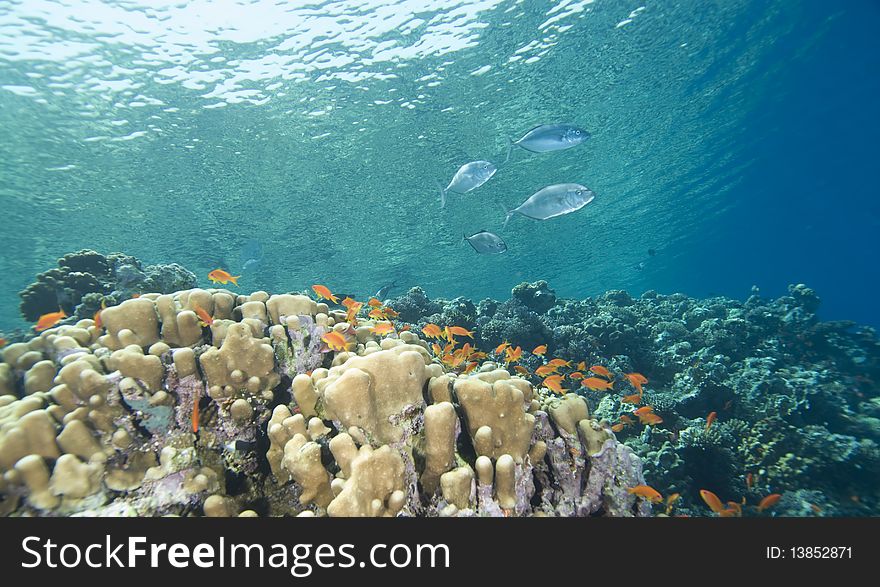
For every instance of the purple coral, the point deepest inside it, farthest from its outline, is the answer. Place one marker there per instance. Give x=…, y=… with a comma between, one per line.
x=307, y=345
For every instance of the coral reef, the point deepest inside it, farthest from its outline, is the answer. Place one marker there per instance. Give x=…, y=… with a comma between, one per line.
x=84, y=279
x=156, y=413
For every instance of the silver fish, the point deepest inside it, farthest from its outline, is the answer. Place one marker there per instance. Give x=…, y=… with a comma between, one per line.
x=468, y=177
x=486, y=242
x=550, y=137
x=552, y=201
x=383, y=291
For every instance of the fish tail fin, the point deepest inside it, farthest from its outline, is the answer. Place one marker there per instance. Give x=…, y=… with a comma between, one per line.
x=442, y=195
x=507, y=214
x=509, y=149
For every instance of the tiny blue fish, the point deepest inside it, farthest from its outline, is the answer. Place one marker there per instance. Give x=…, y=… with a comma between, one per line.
x=486, y=242
x=550, y=137
x=552, y=201
x=468, y=177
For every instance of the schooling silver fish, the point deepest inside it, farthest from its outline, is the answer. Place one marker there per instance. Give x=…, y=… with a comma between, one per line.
x=550, y=137
x=468, y=177
x=552, y=201
x=486, y=242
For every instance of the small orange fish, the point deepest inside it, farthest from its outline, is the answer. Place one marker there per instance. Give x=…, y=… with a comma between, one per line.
x=437, y=350
x=374, y=303
x=749, y=480
x=670, y=501
x=405, y=328
x=769, y=501
x=458, y=331
x=602, y=371
x=540, y=350
x=554, y=383
x=195, y=414
x=335, y=341
x=382, y=328
x=135, y=296
x=348, y=303
x=651, y=419
x=324, y=293
x=816, y=509
x=206, y=318
x=97, y=318
x=3, y=342
x=644, y=410
x=576, y=375
x=512, y=355
x=633, y=399
x=712, y=501
x=626, y=420
x=709, y=419
x=390, y=312
x=521, y=370
x=500, y=348
x=221, y=276
x=734, y=508
x=479, y=355
x=636, y=380
x=377, y=314
x=544, y=370
x=617, y=428
x=559, y=363
x=470, y=367
x=646, y=492
x=582, y=366
x=597, y=384
x=432, y=331
x=47, y=321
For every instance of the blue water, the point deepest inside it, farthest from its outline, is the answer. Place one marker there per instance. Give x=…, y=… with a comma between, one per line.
x=737, y=139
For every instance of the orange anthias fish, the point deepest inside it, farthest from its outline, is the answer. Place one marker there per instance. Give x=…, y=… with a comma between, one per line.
x=540, y=350
x=206, y=318
x=633, y=399
x=597, y=384
x=582, y=366
x=769, y=501
x=3, y=342
x=195, y=414
x=500, y=348
x=650, y=419
x=382, y=328
x=618, y=427
x=432, y=331
x=576, y=375
x=389, y=311
x=221, y=276
x=324, y=293
x=374, y=303
x=559, y=363
x=601, y=371
x=512, y=355
x=749, y=480
x=712, y=501
x=626, y=420
x=47, y=321
x=335, y=341
x=470, y=367
x=554, y=383
x=348, y=302
x=670, y=501
x=544, y=370
x=709, y=419
x=377, y=314
x=646, y=492
x=637, y=380
x=97, y=317
x=521, y=370
x=458, y=331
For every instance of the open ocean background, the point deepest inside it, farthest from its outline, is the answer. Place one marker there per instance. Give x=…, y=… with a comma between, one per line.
x=737, y=139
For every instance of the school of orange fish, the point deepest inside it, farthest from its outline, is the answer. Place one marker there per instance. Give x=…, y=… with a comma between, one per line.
x=465, y=359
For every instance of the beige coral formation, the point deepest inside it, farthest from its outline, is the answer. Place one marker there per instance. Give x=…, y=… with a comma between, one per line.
x=155, y=412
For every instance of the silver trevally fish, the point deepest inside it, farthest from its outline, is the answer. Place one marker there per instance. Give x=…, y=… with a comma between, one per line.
x=468, y=177
x=550, y=137
x=486, y=242
x=554, y=200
